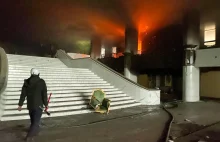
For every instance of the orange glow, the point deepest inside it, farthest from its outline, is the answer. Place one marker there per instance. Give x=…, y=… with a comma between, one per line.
x=90, y=22
x=153, y=14
x=68, y=20
x=114, y=55
x=139, y=46
x=150, y=15
x=117, y=55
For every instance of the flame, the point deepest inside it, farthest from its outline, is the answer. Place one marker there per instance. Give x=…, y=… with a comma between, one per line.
x=139, y=45
x=148, y=16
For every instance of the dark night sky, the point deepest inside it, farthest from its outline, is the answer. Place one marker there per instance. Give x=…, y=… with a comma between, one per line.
x=63, y=21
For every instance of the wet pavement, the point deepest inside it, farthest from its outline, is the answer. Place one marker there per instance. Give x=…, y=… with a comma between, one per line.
x=137, y=124
x=207, y=134
x=193, y=122
x=191, y=118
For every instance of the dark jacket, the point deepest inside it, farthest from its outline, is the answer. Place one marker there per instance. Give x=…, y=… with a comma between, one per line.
x=35, y=89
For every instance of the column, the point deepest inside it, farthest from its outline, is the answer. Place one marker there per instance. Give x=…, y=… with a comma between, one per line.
x=158, y=81
x=96, y=44
x=131, y=40
x=107, y=44
x=131, y=43
x=191, y=74
x=217, y=24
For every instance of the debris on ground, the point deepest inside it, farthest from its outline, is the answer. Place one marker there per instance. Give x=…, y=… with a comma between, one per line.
x=172, y=137
x=207, y=137
x=187, y=120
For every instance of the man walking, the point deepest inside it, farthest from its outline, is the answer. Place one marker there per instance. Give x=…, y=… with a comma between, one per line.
x=35, y=89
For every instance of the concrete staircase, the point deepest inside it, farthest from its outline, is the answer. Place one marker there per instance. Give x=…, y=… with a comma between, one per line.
x=71, y=88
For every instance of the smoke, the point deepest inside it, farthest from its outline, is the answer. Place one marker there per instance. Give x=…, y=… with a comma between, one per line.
x=66, y=21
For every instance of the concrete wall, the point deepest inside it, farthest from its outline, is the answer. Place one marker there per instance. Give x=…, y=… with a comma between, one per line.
x=208, y=57
x=210, y=81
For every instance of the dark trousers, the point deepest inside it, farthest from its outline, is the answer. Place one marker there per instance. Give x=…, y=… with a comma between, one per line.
x=35, y=117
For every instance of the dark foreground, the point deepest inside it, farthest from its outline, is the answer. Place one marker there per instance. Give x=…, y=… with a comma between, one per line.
x=196, y=122
x=138, y=124
x=135, y=124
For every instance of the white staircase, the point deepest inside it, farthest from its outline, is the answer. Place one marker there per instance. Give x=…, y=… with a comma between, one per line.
x=71, y=88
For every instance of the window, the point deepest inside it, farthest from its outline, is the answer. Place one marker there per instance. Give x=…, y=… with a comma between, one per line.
x=139, y=52
x=209, y=35
x=102, y=52
x=114, y=52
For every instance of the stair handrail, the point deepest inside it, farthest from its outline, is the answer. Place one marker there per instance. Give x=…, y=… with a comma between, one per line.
x=3, y=77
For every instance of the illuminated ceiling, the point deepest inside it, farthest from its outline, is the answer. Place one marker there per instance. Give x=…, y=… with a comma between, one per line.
x=63, y=21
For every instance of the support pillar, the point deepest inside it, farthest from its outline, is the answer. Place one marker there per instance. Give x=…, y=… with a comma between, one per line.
x=191, y=74
x=131, y=44
x=127, y=68
x=96, y=44
x=107, y=44
x=191, y=78
x=158, y=81
x=131, y=40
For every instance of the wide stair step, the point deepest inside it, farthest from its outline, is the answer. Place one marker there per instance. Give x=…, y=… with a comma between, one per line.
x=68, y=111
x=34, y=61
x=71, y=88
